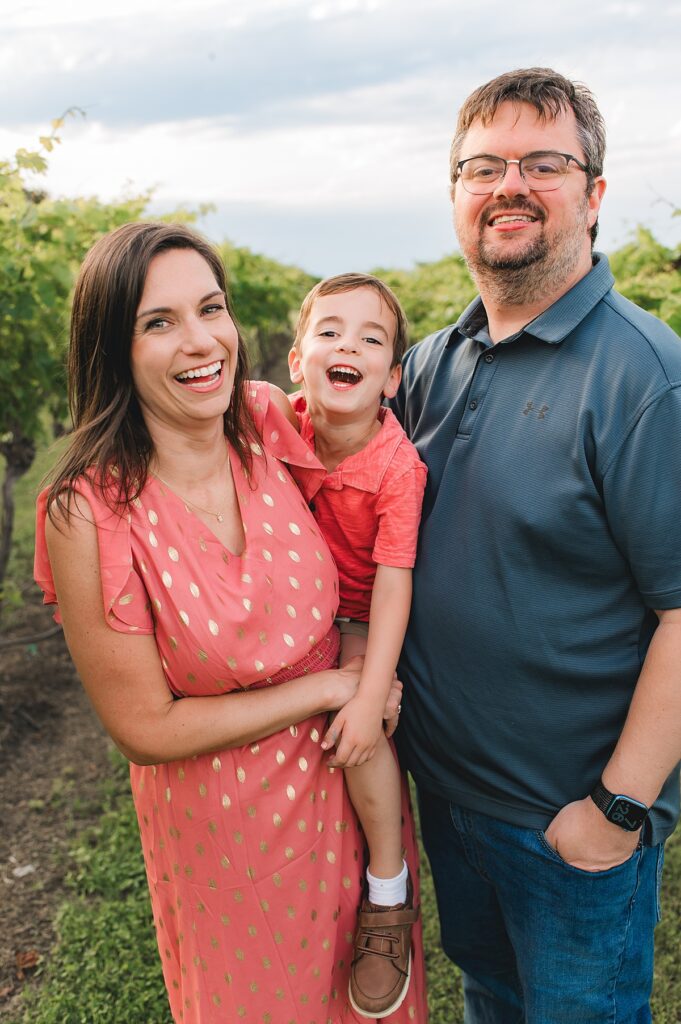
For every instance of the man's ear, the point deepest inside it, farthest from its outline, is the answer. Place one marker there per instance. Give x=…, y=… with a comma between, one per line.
x=294, y=368
x=594, y=200
x=393, y=382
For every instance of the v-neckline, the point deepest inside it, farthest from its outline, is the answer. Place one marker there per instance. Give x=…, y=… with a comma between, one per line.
x=165, y=488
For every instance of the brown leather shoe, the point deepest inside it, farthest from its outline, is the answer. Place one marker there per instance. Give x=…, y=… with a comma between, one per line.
x=379, y=977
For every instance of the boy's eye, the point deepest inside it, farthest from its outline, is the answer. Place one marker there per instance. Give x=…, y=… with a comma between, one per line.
x=327, y=334
x=374, y=341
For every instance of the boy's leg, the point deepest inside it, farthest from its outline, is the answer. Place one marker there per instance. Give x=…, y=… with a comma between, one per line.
x=374, y=789
x=381, y=964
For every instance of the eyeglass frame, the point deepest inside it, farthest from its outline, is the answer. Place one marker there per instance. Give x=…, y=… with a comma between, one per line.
x=535, y=152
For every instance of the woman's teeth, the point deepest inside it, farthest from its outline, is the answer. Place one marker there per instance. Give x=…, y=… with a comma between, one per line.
x=201, y=371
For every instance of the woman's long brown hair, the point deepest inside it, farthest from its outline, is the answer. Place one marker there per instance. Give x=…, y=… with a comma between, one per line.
x=110, y=443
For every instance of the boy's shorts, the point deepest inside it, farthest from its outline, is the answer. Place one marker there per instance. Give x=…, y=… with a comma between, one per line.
x=354, y=627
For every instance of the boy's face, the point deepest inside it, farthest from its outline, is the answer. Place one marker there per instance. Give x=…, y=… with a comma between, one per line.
x=345, y=356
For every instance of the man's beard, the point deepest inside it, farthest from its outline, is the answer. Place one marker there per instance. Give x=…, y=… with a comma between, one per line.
x=538, y=269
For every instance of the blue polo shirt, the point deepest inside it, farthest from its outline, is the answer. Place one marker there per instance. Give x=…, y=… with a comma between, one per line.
x=551, y=529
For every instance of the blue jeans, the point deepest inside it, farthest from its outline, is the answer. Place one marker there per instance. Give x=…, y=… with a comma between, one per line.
x=539, y=941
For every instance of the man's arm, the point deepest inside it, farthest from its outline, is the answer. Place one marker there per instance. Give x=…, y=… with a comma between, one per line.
x=647, y=751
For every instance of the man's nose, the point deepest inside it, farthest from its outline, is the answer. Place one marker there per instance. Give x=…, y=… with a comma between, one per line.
x=512, y=183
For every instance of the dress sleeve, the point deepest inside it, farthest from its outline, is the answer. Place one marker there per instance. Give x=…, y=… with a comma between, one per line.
x=282, y=441
x=126, y=602
x=398, y=509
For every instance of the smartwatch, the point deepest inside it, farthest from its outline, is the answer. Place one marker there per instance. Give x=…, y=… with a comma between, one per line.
x=621, y=810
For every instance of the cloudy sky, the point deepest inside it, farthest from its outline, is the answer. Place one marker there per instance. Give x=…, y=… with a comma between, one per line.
x=320, y=130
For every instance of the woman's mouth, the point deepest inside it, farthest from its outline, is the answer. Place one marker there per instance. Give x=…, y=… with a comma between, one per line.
x=201, y=378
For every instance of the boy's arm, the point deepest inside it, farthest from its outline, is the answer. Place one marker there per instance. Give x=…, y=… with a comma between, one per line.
x=278, y=398
x=357, y=726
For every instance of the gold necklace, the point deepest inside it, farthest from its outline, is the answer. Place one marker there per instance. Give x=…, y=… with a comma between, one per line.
x=220, y=516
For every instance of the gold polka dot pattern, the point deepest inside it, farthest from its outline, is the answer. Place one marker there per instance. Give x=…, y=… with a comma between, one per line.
x=253, y=855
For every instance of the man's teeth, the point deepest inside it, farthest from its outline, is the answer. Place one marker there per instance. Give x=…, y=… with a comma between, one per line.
x=347, y=374
x=201, y=371
x=508, y=218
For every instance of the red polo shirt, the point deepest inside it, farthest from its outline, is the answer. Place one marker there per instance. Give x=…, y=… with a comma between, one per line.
x=368, y=508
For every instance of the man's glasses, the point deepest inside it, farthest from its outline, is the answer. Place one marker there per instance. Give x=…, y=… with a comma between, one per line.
x=542, y=172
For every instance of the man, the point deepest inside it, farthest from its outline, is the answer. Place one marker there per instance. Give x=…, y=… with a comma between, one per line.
x=542, y=665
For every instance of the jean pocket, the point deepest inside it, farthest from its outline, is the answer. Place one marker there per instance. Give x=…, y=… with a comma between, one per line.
x=658, y=883
x=555, y=856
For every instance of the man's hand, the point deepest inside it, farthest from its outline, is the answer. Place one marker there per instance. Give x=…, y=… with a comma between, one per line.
x=583, y=837
x=354, y=732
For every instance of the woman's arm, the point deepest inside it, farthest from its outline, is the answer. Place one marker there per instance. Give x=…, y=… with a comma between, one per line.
x=123, y=677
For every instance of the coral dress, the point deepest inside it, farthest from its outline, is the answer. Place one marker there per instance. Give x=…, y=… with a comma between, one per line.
x=253, y=855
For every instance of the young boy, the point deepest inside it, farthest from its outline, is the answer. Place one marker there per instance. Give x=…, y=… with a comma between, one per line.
x=350, y=338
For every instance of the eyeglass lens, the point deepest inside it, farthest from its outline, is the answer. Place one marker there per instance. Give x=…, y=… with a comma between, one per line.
x=541, y=171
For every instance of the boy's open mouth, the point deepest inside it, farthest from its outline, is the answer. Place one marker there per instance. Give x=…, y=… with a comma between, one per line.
x=201, y=375
x=343, y=376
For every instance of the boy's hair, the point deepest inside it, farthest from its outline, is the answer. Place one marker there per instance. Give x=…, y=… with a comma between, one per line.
x=350, y=283
x=551, y=94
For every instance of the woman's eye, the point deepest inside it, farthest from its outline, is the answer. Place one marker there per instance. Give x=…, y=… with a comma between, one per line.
x=158, y=324
x=215, y=307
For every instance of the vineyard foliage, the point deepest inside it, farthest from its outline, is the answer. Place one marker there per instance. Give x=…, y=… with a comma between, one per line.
x=43, y=240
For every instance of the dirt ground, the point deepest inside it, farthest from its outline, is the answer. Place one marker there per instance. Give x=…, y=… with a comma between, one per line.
x=53, y=756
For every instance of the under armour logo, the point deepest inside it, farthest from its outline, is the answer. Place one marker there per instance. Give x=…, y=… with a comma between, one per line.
x=541, y=412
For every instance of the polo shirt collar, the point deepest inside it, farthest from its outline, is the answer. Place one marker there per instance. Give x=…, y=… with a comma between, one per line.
x=364, y=470
x=555, y=323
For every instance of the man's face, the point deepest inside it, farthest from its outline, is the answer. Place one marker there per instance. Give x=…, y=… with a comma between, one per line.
x=515, y=227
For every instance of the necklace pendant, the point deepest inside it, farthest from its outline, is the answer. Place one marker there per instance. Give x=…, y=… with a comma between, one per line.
x=220, y=518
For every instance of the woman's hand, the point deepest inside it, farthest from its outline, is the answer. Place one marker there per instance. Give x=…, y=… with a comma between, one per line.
x=344, y=683
x=393, y=707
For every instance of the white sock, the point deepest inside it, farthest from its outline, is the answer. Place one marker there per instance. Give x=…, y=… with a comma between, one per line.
x=386, y=892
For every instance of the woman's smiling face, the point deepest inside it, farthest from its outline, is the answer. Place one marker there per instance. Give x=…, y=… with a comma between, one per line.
x=185, y=344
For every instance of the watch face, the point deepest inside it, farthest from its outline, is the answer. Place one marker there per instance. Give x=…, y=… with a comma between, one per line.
x=627, y=813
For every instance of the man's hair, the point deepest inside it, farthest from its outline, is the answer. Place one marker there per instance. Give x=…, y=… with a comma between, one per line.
x=550, y=94
x=350, y=283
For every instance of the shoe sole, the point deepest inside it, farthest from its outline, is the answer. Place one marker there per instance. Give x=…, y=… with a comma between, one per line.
x=391, y=1009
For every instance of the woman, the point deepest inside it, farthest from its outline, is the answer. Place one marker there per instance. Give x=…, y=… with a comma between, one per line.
x=197, y=598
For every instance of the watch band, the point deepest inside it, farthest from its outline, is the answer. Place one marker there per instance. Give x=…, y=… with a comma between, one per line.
x=621, y=810
x=602, y=797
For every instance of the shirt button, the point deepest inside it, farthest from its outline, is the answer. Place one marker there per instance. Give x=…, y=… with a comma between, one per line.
x=489, y=358
x=473, y=405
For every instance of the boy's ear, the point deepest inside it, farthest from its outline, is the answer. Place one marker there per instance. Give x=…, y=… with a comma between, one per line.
x=295, y=372
x=393, y=382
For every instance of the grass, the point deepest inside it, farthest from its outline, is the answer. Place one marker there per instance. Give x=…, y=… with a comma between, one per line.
x=105, y=968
